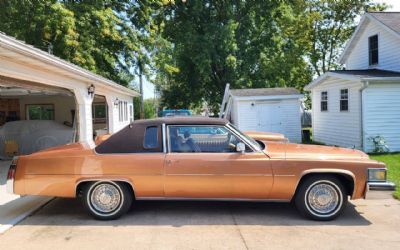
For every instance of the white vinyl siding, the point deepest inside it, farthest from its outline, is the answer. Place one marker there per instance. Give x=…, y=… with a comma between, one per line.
x=285, y=117
x=388, y=47
x=334, y=127
x=381, y=114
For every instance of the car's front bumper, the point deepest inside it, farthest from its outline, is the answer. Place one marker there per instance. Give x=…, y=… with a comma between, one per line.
x=379, y=190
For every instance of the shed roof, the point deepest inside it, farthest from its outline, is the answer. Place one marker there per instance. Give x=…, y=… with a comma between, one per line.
x=264, y=92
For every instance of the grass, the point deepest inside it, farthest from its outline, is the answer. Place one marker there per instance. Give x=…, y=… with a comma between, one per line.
x=392, y=162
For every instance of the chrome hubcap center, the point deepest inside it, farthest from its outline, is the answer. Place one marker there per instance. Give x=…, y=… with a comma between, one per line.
x=323, y=198
x=105, y=198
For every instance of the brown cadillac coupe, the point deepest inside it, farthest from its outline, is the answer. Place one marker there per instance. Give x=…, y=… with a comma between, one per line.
x=198, y=158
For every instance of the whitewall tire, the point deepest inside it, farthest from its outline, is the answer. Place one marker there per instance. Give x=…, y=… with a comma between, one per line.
x=107, y=200
x=321, y=197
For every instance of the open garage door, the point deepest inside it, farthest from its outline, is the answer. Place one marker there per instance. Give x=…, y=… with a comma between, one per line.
x=34, y=117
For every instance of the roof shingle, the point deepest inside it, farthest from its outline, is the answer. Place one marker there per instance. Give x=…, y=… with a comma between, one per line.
x=264, y=92
x=390, y=19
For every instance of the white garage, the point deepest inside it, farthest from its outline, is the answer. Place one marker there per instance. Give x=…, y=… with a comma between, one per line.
x=43, y=93
x=266, y=109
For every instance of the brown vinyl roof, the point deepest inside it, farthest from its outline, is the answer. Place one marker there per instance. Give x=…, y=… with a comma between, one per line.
x=390, y=19
x=264, y=92
x=184, y=120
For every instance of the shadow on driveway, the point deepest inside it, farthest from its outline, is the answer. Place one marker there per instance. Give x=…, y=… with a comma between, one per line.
x=67, y=212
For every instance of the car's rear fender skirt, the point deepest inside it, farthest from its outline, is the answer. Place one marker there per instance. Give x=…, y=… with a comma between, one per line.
x=347, y=177
x=81, y=182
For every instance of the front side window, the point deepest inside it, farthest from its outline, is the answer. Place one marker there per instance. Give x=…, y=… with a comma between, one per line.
x=40, y=112
x=151, y=138
x=344, y=100
x=373, y=50
x=324, y=101
x=205, y=139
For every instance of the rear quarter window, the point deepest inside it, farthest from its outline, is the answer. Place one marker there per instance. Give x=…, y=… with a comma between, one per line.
x=151, y=138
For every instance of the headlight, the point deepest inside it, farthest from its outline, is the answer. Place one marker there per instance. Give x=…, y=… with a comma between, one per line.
x=377, y=174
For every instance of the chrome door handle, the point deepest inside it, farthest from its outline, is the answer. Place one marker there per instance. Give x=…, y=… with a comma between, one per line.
x=169, y=162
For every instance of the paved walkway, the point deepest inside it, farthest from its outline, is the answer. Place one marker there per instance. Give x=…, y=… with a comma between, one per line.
x=14, y=208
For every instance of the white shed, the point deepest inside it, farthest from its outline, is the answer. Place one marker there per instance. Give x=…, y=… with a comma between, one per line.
x=268, y=110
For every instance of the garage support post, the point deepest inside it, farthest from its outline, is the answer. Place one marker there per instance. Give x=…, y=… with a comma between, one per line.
x=84, y=116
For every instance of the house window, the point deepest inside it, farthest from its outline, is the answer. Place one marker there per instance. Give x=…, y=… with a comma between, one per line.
x=373, y=50
x=40, y=112
x=99, y=113
x=131, y=113
x=123, y=111
x=324, y=101
x=344, y=100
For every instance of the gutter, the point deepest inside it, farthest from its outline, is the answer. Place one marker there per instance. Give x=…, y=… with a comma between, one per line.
x=365, y=85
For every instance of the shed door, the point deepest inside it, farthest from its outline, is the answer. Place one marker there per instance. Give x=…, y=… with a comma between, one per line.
x=269, y=117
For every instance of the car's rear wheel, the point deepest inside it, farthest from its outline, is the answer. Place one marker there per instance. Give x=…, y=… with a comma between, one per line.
x=107, y=200
x=321, y=198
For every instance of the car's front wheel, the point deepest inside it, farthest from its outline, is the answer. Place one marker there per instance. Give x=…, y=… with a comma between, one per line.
x=107, y=200
x=321, y=197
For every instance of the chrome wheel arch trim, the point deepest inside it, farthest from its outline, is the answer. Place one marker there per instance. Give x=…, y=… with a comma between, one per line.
x=338, y=205
x=329, y=171
x=113, y=180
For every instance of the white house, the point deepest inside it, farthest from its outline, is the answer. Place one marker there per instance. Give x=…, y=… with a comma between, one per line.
x=354, y=105
x=266, y=109
x=35, y=84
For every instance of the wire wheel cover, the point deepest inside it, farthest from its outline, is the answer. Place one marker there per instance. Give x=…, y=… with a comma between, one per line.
x=105, y=198
x=323, y=198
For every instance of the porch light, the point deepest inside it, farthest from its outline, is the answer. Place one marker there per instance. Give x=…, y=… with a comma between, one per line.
x=91, y=90
x=116, y=102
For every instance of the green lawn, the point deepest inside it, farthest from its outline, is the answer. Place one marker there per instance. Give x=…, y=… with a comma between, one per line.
x=392, y=162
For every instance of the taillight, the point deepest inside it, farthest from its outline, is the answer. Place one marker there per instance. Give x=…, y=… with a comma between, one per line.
x=11, y=172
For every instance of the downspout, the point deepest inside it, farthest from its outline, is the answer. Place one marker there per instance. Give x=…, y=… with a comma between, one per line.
x=365, y=84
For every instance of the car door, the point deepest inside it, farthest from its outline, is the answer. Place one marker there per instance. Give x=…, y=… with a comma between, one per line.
x=202, y=162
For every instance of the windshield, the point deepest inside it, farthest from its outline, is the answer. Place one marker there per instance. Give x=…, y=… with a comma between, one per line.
x=250, y=140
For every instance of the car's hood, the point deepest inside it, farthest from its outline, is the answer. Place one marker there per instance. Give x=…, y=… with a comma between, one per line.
x=266, y=136
x=303, y=151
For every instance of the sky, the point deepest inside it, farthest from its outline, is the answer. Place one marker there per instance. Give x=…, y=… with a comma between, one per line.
x=149, y=87
x=394, y=3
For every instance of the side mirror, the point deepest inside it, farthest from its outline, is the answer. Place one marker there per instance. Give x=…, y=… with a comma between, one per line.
x=240, y=147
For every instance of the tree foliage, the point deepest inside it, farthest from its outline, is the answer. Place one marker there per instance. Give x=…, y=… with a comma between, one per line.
x=244, y=43
x=191, y=49
x=332, y=23
x=97, y=35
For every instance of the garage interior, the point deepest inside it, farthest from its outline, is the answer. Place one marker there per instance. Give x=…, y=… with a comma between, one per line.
x=35, y=117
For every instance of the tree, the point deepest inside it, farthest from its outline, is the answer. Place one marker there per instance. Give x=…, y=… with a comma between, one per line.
x=245, y=43
x=332, y=23
x=96, y=35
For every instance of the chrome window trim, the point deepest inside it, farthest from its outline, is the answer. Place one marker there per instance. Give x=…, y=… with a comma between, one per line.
x=245, y=141
x=164, y=138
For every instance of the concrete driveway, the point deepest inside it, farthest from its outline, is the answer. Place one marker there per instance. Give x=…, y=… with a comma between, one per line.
x=63, y=224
